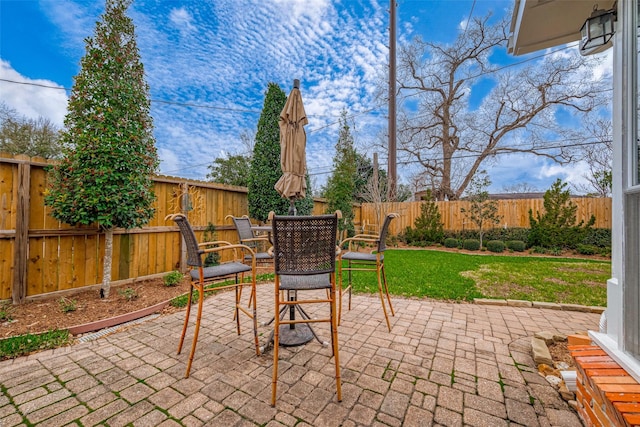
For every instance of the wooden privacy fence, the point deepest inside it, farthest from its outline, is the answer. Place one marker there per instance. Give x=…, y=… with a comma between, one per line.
x=514, y=213
x=39, y=255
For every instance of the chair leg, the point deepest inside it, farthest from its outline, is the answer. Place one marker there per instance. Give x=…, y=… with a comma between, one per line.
x=386, y=288
x=339, y=291
x=350, y=286
x=186, y=318
x=255, y=315
x=239, y=297
x=384, y=306
x=236, y=315
x=342, y=290
x=196, y=331
x=276, y=344
x=334, y=342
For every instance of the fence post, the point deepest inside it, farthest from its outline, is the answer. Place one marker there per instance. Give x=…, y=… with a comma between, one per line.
x=21, y=242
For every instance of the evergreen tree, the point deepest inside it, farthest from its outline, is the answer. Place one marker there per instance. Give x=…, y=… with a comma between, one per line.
x=305, y=206
x=341, y=185
x=109, y=156
x=265, y=164
x=428, y=227
x=557, y=227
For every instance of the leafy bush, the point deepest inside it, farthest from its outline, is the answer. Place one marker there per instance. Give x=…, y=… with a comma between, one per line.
x=600, y=237
x=6, y=311
x=509, y=233
x=451, y=242
x=129, y=294
x=68, y=305
x=516, y=245
x=172, y=278
x=587, y=249
x=482, y=210
x=538, y=250
x=471, y=244
x=557, y=227
x=499, y=233
x=495, y=246
x=212, y=258
x=428, y=226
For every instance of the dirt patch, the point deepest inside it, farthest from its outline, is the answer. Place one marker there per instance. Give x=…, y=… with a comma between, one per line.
x=560, y=353
x=46, y=314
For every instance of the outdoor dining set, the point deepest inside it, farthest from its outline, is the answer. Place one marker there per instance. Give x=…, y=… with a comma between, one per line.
x=304, y=251
x=306, y=255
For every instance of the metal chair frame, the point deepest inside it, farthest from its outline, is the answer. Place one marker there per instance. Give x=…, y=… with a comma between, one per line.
x=201, y=276
x=246, y=236
x=362, y=261
x=304, y=249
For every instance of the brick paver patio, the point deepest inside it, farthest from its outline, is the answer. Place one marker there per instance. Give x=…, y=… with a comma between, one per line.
x=442, y=365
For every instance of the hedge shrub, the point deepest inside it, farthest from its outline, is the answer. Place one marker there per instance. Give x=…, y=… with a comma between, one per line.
x=600, y=237
x=495, y=246
x=471, y=244
x=451, y=242
x=516, y=245
x=587, y=249
x=501, y=233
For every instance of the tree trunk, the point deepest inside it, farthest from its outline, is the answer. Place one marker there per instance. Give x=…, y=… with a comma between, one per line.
x=108, y=255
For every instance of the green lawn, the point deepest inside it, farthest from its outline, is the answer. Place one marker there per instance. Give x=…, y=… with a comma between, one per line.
x=455, y=276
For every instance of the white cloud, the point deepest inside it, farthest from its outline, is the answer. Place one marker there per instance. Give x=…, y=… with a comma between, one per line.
x=31, y=98
x=216, y=59
x=182, y=19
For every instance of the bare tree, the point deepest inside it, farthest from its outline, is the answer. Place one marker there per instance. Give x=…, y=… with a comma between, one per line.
x=450, y=139
x=22, y=135
x=598, y=155
x=520, y=188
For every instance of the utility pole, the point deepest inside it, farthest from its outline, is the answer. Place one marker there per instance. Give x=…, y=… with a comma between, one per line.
x=391, y=167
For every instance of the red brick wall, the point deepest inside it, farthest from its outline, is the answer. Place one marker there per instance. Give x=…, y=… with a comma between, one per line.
x=607, y=395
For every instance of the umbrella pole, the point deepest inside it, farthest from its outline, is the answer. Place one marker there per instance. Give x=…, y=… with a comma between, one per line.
x=292, y=207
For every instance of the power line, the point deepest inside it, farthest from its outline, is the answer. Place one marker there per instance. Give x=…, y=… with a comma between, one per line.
x=469, y=18
x=464, y=156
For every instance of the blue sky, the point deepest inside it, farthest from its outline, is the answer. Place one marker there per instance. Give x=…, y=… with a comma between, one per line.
x=208, y=64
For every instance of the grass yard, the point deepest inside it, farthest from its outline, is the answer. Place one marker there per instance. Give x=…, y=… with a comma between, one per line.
x=456, y=276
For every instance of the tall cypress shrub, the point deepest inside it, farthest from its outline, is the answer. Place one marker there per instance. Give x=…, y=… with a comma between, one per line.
x=342, y=183
x=265, y=164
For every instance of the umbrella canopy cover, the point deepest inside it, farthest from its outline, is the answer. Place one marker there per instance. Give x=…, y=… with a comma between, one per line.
x=293, y=141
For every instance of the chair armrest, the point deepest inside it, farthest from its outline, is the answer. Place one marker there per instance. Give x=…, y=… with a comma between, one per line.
x=365, y=236
x=214, y=243
x=358, y=239
x=256, y=239
x=223, y=246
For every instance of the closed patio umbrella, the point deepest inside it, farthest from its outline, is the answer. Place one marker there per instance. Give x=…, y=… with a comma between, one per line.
x=293, y=140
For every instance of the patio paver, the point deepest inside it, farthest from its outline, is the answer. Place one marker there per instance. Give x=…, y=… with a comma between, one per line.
x=442, y=364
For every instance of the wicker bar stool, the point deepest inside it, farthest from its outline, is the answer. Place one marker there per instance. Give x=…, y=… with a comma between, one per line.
x=201, y=276
x=304, y=249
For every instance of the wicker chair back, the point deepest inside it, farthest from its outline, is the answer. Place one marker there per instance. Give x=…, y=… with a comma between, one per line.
x=304, y=245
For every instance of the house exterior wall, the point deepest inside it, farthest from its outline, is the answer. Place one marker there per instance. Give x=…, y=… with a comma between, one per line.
x=620, y=329
x=621, y=336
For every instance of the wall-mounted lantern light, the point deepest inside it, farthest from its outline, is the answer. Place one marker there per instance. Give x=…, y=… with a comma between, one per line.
x=597, y=32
